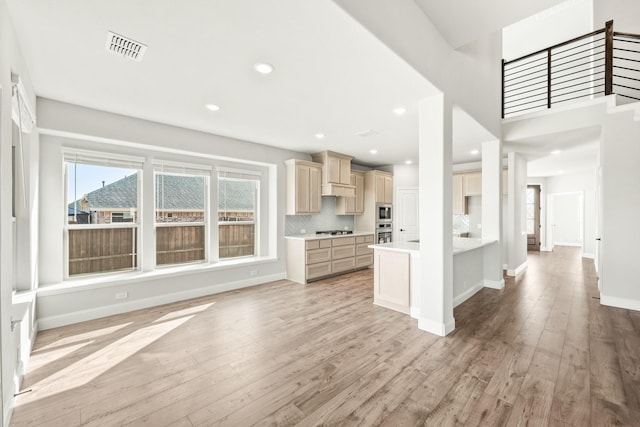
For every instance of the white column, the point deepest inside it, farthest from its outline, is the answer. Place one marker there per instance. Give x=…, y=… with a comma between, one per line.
x=435, y=180
x=492, y=212
x=516, y=215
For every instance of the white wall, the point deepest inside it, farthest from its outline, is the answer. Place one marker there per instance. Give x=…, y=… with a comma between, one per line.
x=516, y=214
x=620, y=204
x=555, y=25
x=101, y=131
x=11, y=60
x=623, y=12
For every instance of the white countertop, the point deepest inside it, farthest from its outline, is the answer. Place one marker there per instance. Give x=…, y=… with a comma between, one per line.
x=460, y=244
x=327, y=236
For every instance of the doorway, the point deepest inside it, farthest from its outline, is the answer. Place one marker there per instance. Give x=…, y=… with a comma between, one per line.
x=406, y=216
x=566, y=217
x=533, y=218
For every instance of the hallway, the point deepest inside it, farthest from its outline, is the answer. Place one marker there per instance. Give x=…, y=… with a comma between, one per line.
x=541, y=351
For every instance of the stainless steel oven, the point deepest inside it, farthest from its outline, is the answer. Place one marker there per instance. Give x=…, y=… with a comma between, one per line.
x=383, y=213
x=383, y=233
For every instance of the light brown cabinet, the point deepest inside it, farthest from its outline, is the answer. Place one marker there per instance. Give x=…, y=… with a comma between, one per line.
x=313, y=259
x=352, y=205
x=459, y=202
x=303, y=187
x=472, y=184
x=378, y=188
x=383, y=187
x=336, y=173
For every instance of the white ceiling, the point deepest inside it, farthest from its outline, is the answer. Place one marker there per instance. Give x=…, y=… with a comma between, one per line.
x=331, y=75
x=463, y=21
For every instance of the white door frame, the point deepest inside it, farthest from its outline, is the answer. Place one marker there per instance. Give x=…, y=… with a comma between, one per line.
x=550, y=208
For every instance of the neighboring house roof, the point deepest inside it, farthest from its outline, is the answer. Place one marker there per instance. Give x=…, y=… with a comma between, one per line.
x=173, y=192
x=73, y=211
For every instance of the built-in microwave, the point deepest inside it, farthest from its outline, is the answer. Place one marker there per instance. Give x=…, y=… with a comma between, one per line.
x=383, y=213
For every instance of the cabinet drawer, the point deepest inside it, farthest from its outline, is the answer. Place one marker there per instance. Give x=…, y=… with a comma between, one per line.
x=343, y=241
x=325, y=243
x=318, y=255
x=343, y=252
x=318, y=270
x=345, y=264
x=363, y=249
x=364, y=260
x=364, y=239
x=312, y=244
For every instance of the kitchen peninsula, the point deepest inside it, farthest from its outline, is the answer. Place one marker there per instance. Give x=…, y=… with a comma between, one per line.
x=397, y=273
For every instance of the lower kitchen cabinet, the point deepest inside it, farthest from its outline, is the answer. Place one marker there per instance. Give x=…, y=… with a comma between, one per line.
x=311, y=259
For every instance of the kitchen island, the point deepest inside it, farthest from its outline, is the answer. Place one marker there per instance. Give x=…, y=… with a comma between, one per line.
x=397, y=273
x=316, y=256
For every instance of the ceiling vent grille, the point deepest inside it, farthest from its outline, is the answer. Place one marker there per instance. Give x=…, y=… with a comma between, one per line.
x=367, y=132
x=125, y=46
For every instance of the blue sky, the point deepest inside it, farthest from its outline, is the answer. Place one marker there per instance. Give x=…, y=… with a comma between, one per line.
x=90, y=178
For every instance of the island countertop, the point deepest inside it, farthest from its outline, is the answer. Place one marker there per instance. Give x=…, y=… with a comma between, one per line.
x=327, y=236
x=460, y=244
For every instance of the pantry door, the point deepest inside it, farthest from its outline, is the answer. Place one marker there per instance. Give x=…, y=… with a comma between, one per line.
x=406, y=216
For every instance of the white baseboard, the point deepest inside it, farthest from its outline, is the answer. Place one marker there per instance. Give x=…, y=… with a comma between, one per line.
x=436, y=328
x=8, y=411
x=109, y=310
x=519, y=269
x=545, y=249
x=505, y=267
x=575, y=245
x=414, y=312
x=467, y=294
x=494, y=284
x=629, y=304
x=588, y=255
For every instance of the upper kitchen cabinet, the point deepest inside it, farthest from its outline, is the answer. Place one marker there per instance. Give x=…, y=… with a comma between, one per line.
x=352, y=205
x=459, y=202
x=303, y=187
x=381, y=184
x=336, y=174
x=472, y=184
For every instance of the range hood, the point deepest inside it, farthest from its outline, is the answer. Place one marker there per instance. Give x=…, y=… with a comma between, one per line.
x=336, y=174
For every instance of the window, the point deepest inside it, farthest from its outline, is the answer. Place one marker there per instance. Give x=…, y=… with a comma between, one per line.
x=181, y=212
x=102, y=198
x=238, y=195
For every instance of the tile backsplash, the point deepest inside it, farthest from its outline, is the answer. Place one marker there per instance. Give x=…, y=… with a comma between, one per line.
x=326, y=220
x=460, y=223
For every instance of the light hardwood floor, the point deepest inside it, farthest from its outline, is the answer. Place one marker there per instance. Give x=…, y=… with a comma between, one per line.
x=540, y=352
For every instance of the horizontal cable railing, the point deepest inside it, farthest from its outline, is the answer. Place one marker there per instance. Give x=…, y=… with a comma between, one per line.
x=588, y=66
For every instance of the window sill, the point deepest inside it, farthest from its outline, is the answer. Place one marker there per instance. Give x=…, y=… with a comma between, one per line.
x=121, y=279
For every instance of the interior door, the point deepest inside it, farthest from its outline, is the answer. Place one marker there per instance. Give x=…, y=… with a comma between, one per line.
x=533, y=218
x=406, y=216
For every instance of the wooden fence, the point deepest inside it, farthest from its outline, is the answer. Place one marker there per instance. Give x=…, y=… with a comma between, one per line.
x=236, y=240
x=181, y=244
x=101, y=250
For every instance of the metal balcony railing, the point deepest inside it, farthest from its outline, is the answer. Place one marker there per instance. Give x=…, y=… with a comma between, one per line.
x=600, y=63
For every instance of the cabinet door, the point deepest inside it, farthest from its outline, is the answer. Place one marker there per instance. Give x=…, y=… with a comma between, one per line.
x=302, y=188
x=359, y=200
x=333, y=170
x=458, y=196
x=392, y=278
x=388, y=189
x=380, y=189
x=314, y=190
x=472, y=184
x=345, y=171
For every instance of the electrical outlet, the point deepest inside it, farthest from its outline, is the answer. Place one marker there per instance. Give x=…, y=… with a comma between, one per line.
x=122, y=295
x=253, y=273
x=303, y=231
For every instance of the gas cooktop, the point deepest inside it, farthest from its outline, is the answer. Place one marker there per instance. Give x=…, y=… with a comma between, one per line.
x=335, y=232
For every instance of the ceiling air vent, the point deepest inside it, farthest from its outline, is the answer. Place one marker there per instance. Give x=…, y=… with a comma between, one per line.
x=125, y=46
x=367, y=132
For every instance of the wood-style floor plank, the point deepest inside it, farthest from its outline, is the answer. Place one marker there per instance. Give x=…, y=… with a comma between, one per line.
x=542, y=351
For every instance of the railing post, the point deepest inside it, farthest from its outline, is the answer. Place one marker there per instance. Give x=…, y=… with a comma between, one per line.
x=549, y=78
x=608, y=58
x=503, y=88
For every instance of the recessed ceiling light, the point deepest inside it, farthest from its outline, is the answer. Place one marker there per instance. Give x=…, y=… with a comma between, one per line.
x=263, y=68
x=373, y=151
x=408, y=162
x=319, y=135
x=399, y=110
x=556, y=152
x=474, y=152
x=212, y=107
